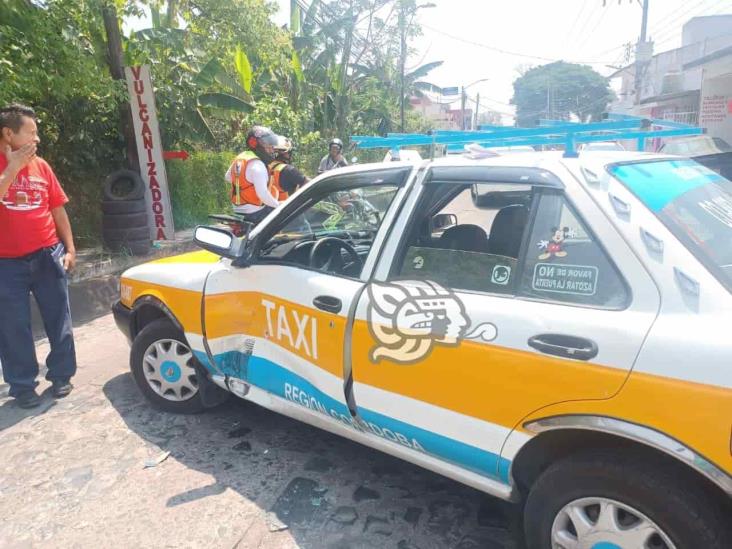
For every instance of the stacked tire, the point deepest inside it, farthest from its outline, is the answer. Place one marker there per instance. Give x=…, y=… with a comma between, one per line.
x=124, y=221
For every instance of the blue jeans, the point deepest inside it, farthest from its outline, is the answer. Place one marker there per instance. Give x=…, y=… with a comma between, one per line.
x=42, y=274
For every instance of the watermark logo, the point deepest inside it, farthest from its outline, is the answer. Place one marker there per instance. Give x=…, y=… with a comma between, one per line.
x=409, y=317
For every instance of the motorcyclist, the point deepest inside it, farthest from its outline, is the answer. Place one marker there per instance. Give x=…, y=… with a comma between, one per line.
x=252, y=193
x=285, y=177
x=334, y=158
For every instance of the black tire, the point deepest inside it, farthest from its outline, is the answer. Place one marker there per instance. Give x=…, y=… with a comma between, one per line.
x=669, y=496
x=128, y=233
x=118, y=207
x=159, y=330
x=124, y=221
x=123, y=185
x=133, y=247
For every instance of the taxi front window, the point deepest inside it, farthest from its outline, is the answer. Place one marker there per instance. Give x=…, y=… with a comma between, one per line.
x=694, y=202
x=354, y=210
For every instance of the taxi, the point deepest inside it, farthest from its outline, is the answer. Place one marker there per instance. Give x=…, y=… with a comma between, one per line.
x=553, y=331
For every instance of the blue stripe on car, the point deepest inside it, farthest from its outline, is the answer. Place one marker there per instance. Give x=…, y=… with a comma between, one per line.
x=280, y=381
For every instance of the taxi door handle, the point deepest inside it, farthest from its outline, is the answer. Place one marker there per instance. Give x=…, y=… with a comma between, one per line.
x=566, y=346
x=328, y=303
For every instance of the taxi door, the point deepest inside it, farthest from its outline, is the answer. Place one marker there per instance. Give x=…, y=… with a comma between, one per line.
x=520, y=305
x=276, y=326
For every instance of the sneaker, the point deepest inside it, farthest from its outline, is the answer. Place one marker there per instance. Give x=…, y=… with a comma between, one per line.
x=61, y=387
x=28, y=399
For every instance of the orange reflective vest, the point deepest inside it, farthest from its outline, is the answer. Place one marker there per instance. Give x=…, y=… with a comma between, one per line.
x=275, y=170
x=242, y=190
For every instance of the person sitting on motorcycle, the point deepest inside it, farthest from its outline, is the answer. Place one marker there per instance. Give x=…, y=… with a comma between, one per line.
x=285, y=177
x=252, y=193
x=334, y=158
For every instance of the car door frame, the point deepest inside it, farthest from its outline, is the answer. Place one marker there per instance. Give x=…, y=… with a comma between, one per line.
x=616, y=249
x=298, y=402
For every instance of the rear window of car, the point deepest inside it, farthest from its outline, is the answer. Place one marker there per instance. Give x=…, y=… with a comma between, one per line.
x=694, y=202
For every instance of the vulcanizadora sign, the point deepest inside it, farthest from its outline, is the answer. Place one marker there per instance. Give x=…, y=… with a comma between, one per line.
x=150, y=152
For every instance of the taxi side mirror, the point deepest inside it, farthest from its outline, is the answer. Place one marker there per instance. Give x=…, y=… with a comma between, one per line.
x=218, y=241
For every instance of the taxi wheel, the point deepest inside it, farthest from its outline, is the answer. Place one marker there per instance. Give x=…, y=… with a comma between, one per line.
x=619, y=500
x=163, y=367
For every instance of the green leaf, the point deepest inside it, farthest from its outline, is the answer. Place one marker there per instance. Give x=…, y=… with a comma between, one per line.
x=297, y=67
x=295, y=15
x=155, y=16
x=426, y=86
x=244, y=68
x=421, y=71
x=224, y=101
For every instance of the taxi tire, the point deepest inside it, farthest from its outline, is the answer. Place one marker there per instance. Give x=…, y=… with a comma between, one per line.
x=155, y=331
x=670, y=496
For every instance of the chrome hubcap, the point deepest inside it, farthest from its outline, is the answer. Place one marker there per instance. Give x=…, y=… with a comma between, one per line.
x=601, y=523
x=168, y=368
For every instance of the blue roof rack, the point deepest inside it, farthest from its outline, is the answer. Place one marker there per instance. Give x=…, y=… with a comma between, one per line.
x=549, y=132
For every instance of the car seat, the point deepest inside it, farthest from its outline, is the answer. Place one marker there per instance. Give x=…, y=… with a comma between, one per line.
x=468, y=238
x=507, y=230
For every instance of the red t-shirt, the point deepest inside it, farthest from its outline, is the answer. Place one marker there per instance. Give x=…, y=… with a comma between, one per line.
x=26, y=223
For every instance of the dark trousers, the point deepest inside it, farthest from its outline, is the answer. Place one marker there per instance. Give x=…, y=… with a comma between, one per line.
x=42, y=274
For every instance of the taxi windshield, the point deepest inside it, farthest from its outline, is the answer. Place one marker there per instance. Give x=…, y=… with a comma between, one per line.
x=347, y=211
x=694, y=202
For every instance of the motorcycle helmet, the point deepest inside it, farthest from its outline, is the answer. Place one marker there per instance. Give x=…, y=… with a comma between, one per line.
x=262, y=141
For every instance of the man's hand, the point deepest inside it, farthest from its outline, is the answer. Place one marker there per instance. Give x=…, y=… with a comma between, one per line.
x=69, y=261
x=17, y=160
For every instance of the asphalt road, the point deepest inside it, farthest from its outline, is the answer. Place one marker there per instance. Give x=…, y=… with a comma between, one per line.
x=73, y=474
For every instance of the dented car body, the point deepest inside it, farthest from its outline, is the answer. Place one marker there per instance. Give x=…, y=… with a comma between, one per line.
x=492, y=320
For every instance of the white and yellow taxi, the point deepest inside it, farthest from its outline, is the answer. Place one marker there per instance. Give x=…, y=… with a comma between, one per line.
x=553, y=331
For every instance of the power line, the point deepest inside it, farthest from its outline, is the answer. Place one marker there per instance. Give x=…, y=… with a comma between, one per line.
x=592, y=32
x=582, y=35
x=579, y=14
x=672, y=24
x=506, y=52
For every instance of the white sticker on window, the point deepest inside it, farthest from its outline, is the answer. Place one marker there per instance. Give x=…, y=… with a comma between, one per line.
x=720, y=208
x=565, y=279
x=501, y=274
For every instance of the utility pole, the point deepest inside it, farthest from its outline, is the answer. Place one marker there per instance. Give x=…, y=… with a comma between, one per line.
x=643, y=54
x=462, y=109
x=402, y=61
x=477, y=110
x=116, y=68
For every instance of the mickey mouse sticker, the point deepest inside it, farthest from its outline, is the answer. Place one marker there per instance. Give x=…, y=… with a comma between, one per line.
x=554, y=247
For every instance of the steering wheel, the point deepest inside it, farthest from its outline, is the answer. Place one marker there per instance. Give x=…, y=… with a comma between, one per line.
x=334, y=261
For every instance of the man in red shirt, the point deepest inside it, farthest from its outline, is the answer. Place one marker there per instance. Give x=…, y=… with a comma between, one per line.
x=36, y=252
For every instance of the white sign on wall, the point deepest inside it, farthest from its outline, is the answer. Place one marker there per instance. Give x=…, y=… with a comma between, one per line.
x=150, y=152
x=715, y=112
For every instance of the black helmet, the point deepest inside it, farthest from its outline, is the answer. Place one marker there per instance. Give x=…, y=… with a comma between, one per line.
x=336, y=141
x=257, y=138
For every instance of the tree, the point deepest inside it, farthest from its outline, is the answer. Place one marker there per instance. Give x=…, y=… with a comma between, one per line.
x=560, y=90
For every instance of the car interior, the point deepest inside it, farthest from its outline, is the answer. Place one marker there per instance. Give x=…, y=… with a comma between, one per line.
x=333, y=234
x=466, y=231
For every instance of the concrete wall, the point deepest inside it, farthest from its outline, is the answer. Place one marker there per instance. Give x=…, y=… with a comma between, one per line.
x=699, y=29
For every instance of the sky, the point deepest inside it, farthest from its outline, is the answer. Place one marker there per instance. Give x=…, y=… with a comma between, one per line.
x=479, y=39
x=494, y=39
